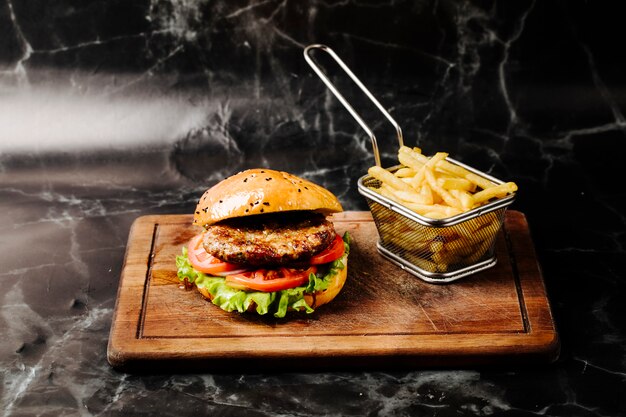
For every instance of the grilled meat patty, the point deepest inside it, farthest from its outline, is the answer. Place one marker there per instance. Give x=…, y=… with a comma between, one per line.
x=269, y=239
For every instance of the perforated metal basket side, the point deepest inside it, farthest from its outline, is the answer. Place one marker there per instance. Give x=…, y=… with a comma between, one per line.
x=437, y=252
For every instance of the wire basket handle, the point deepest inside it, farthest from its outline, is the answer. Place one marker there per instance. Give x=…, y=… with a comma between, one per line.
x=342, y=99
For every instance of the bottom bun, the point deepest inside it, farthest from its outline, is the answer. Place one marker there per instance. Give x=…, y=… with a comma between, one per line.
x=322, y=297
x=313, y=300
x=205, y=293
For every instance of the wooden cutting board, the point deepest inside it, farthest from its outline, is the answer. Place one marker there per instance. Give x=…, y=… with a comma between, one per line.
x=384, y=317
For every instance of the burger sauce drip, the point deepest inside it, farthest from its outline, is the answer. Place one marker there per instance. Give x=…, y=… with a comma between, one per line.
x=185, y=285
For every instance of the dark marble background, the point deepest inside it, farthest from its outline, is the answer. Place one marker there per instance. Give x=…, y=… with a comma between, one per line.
x=114, y=109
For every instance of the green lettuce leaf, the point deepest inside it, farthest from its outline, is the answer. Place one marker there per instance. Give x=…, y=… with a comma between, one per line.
x=278, y=303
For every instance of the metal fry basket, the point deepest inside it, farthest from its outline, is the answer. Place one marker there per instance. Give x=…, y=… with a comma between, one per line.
x=435, y=250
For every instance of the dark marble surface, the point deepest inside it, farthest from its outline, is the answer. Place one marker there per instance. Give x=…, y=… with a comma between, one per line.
x=114, y=109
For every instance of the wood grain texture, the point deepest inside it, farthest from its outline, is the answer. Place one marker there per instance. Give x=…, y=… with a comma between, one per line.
x=384, y=316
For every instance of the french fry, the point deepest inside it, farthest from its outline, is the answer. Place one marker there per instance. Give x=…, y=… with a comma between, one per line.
x=447, y=234
x=453, y=169
x=405, y=173
x=495, y=191
x=465, y=198
x=454, y=183
x=428, y=167
x=445, y=196
x=415, y=248
x=463, y=173
x=415, y=153
x=470, y=227
x=413, y=197
x=408, y=159
x=436, y=246
x=463, y=246
x=403, y=197
x=416, y=166
x=439, y=156
x=439, y=211
x=387, y=177
x=445, y=258
x=479, y=181
x=436, y=214
x=385, y=191
x=479, y=252
x=427, y=192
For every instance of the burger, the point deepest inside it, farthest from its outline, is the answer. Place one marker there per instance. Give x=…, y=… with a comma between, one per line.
x=266, y=245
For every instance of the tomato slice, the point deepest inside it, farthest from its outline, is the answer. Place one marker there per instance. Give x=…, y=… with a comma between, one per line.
x=331, y=253
x=207, y=263
x=270, y=280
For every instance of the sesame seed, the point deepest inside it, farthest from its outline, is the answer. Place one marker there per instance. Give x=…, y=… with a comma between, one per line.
x=266, y=203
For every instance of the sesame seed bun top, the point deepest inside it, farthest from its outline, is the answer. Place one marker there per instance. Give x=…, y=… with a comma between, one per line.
x=258, y=191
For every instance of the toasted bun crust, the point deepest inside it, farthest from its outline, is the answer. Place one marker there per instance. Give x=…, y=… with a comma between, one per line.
x=257, y=191
x=314, y=300
x=323, y=297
